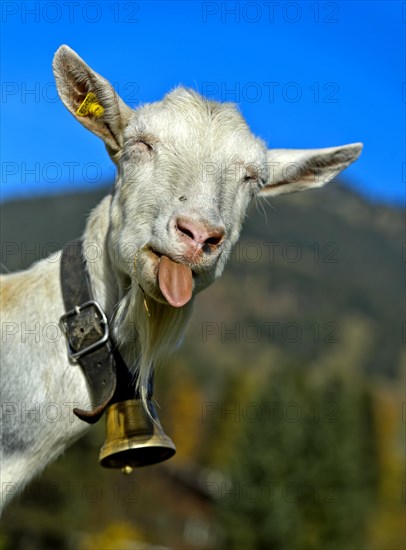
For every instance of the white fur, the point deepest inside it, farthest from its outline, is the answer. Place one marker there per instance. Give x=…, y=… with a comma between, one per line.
x=182, y=156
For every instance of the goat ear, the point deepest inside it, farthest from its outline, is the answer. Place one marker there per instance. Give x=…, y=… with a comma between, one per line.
x=90, y=98
x=293, y=170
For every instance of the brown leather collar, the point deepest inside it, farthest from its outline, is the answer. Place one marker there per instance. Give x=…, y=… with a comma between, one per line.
x=89, y=341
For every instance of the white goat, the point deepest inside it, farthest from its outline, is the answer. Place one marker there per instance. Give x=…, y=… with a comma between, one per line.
x=187, y=168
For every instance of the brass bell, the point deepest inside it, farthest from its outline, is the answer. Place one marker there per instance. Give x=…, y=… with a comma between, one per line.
x=132, y=438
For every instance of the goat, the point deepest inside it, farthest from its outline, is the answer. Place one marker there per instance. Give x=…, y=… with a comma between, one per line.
x=187, y=169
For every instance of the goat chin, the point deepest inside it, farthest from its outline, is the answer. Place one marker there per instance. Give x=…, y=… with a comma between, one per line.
x=147, y=332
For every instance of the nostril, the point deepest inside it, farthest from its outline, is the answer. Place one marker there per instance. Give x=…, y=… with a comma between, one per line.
x=214, y=240
x=185, y=231
x=199, y=232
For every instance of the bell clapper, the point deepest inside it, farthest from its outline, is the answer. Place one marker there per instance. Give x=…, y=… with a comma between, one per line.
x=127, y=470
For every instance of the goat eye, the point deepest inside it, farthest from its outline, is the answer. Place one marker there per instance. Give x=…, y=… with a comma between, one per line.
x=252, y=182
x=250, y=178
x=140, y=145
x=143, y=146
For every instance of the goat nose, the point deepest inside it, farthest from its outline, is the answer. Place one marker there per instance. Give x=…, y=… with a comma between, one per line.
x=199, y=232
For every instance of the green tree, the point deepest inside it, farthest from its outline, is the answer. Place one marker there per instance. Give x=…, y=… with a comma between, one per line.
x=303, y=473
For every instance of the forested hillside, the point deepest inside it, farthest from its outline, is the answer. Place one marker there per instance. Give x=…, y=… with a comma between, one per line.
x=284, y=401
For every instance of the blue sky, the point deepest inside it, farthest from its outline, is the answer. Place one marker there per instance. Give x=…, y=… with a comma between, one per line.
x=305, y=74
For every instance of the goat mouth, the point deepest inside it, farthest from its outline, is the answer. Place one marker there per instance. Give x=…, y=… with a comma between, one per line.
x=174, y=279
x=155, y=254
x=153, y=251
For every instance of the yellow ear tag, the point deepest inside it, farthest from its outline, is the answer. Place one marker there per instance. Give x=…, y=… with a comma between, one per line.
x=90, y=106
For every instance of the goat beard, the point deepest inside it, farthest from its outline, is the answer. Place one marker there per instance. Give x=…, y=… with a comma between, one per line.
x=147, y=336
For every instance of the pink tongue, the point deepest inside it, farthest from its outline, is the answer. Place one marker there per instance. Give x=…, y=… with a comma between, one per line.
x=175, y=281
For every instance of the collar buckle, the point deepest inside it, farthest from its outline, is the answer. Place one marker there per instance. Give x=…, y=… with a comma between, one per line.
x=66, y=328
